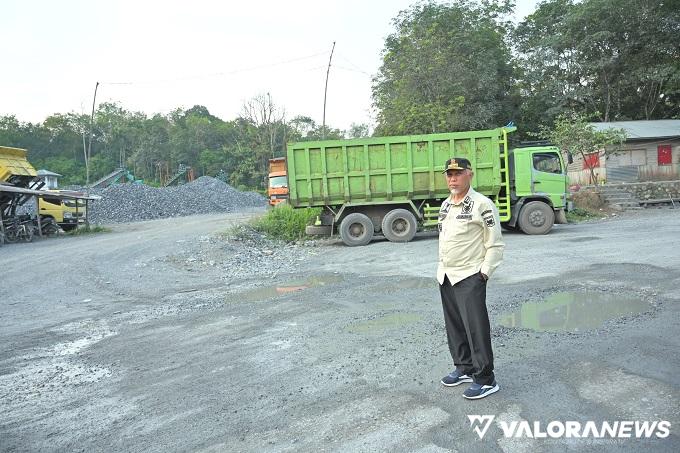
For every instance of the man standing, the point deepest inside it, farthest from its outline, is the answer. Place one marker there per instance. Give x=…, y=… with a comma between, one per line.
x=470, y=249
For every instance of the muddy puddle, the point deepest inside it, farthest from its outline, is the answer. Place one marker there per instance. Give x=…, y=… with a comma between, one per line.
x=395, y=284
x=574, y=311
x=292, y=286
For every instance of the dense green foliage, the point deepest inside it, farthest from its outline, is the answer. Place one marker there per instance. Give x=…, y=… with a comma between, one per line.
x=611, y=60
x=149, y=146
x=461, y=65
x=446, y=67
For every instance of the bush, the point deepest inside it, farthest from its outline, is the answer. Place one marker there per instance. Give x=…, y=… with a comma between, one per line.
x=286, y=223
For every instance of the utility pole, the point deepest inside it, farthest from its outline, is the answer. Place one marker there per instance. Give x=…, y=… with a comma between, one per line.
x=325, y=92
x=89, y=144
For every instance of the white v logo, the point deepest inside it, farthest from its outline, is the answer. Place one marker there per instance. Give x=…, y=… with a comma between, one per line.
x=484, y=421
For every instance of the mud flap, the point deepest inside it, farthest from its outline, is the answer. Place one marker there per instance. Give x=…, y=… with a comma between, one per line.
x=560, y=216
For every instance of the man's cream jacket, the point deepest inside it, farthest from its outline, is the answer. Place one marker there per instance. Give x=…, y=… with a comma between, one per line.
x=470, y=238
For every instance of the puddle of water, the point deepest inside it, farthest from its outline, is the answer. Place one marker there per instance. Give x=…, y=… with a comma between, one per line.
x=384, y=323
x=269, y=292
x=573, y=312
x=398, y=283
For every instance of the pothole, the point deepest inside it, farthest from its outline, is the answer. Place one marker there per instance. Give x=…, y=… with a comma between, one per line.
x=400, y=283
x=574, y=311
x=292, y=286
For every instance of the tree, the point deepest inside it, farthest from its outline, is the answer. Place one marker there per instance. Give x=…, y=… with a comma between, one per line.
x=574, y=134
x=266, y=117
x=620, y=58
x=445, y=68
x=304, y=128
x=268, y=128
x=359, y=130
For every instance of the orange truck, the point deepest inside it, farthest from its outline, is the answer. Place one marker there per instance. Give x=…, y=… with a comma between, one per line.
x=278, y=181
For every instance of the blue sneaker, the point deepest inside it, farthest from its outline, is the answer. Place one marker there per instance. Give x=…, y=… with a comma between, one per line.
x=477, y=391
x=454, y=378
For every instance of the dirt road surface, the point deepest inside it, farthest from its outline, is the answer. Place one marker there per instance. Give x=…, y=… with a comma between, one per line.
x=161, y=336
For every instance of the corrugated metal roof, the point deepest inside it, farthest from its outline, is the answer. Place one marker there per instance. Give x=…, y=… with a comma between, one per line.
x=47, y=173
x=643, y=129
x=65, y=194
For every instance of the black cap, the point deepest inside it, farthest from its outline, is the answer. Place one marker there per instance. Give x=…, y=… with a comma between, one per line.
x=457, y=163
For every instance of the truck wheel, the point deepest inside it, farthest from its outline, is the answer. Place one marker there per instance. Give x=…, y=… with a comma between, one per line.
x=536, y=217
x=318, y=230
x=49, y=226
x=356, y=229
x=399, y=225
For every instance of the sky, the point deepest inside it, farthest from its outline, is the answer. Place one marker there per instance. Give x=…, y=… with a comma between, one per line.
x=156, y=56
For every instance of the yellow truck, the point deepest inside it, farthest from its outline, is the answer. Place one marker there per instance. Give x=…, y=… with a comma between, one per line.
x=16, y=171
x=66, y=213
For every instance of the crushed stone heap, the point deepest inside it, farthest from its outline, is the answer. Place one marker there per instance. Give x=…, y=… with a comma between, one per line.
x=135, y=202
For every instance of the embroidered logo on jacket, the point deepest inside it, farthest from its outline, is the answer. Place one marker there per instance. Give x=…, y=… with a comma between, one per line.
x=468, y=203
x=443, y=211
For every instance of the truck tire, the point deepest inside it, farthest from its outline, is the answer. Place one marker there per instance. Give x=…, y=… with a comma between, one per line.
x=356, y=229
x=399, y=225
x=49, y=226
x=318, y=230
x=536, y=217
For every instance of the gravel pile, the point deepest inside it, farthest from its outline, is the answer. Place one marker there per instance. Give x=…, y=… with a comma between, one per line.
x=135, y=202
x=242, y=253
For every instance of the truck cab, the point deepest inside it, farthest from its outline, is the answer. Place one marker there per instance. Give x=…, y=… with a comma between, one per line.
x=538, y=190
x=277, y=185
x=66, y=213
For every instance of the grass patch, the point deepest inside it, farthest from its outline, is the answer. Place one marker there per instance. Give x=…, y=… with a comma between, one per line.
x=92, y=229
x=579, y=215
x=286, y=223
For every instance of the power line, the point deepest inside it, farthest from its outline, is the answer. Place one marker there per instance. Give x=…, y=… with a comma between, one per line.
x=216, y=74
x=357, y=68
x=352, y=70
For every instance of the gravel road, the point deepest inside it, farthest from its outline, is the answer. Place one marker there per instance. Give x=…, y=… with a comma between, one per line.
x=166, y=335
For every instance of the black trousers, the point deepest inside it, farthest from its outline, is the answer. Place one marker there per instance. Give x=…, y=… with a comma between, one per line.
x=467, y=327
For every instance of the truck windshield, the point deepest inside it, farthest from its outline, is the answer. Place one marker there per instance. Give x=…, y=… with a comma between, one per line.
x=50, y=200
x=547, y=162
x=72, y=203
x=278, y=181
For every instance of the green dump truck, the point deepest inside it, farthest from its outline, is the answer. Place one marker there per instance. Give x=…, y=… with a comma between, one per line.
x=393, y=185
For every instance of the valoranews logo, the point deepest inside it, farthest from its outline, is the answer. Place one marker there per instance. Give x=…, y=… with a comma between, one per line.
x=560, y=429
